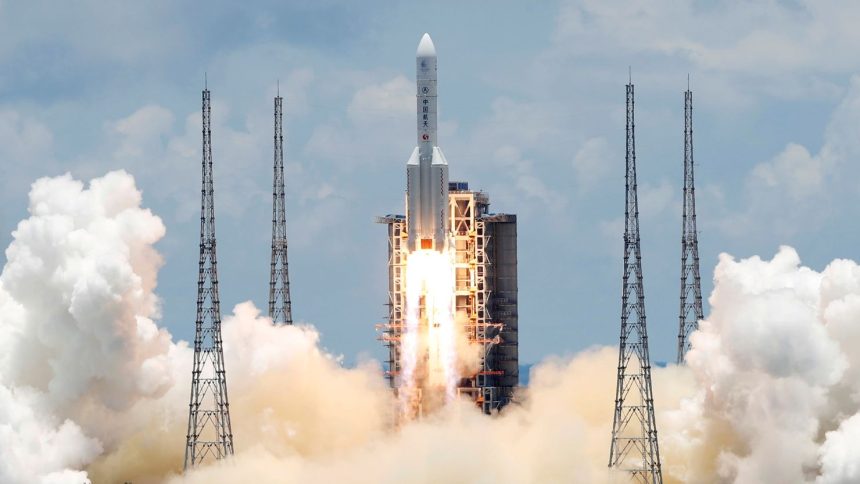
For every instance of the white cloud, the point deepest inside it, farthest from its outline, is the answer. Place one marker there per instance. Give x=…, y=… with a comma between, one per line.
x=26, y=149
x=795, y=190
x=592, y=162
x=654, y=199
x=761, y=37
x=294, y=89
x=528, y=184
x=23, y=139
x=794, y=171
x=745, y=49
x=394, y=98
x=142, y=132
x=375, y=127
x=93, y=30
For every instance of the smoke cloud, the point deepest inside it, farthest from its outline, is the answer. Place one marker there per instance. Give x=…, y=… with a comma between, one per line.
x=91, y=388
x=775, y=366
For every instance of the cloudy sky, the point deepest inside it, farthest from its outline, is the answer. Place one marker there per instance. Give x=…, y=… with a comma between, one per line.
x=531, y=110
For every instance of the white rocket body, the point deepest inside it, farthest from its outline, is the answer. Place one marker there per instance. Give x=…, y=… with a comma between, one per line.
x=427, y=169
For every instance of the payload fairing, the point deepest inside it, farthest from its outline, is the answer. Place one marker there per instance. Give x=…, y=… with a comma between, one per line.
x=427, y=169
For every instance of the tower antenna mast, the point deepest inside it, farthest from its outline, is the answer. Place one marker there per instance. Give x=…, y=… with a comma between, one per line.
x=691, y=285
x=634, y=430
x=210, y=435
x=280, y=304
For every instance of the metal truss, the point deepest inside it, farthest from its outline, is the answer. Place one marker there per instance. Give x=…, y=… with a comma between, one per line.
x=209, y=435
x=634, y=446
x=691, y=282
x=280, y=304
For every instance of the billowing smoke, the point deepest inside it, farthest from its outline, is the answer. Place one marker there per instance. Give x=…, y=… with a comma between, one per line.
x=776, y=367
x=92, y=388
x=76, y=328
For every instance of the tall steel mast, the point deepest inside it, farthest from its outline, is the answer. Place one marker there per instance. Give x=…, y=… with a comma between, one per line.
x=691, y=285
x=210, y=435
x=634, y=430
x=280, y=304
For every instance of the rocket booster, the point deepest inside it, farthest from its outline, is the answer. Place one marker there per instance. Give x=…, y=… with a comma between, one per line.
x=427, y=169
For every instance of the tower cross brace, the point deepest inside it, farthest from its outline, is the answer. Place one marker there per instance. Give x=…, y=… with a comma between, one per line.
x=210, y=435
x=634, y=430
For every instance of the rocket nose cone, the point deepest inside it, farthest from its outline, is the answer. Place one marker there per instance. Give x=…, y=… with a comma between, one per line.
x=426, y=47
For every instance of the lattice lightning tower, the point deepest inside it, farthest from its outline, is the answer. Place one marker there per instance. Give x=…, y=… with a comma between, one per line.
x=691, y=285
x=280, y=305
x=634, y=429
x=210, y=435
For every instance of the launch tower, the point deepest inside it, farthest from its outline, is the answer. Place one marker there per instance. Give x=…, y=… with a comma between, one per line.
x=485, y=295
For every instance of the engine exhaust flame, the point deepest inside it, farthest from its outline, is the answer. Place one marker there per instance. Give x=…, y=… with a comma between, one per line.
x=429, y=373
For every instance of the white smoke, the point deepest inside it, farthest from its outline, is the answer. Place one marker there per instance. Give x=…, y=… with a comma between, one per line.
x=90, y=387
x=557, y=435
x=775, y=365
x=76, y=309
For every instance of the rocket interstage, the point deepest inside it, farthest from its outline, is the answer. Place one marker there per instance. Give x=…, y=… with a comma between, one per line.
x=427, y=169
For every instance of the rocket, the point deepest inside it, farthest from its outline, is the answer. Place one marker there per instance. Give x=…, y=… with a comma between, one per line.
x=427, y=169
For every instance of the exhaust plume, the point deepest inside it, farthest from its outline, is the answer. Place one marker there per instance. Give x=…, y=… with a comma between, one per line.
x=92, y=388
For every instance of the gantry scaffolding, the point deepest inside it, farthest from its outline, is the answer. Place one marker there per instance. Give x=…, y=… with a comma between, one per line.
x=210, y=435
x=691, y=281
x=634, y=446
x=485, y=294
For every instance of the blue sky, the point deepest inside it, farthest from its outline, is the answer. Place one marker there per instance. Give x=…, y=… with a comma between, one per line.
x=531, y=110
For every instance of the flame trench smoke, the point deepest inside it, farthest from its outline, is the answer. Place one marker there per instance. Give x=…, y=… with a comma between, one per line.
x=92, y=389
x=429, y=340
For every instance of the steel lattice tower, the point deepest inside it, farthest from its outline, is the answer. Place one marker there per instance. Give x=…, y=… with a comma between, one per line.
x=691, y=286
x=209, y=432
x=280, y=305
x=634, y=430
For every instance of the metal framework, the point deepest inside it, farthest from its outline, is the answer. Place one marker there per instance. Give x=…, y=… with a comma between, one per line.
x=485, y=295
x=280, y=304
x=210, y=435
x=634, y=430
x=691, y=285
x=393, y=329
x=484, y=328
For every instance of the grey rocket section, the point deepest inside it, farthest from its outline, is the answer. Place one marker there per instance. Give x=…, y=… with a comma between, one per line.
x=427, y=169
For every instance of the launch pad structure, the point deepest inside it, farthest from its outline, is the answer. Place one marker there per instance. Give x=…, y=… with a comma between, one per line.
x=485, y=294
